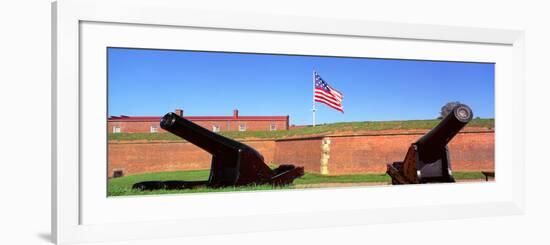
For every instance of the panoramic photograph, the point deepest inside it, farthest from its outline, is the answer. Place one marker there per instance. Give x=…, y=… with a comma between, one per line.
x=185, y=121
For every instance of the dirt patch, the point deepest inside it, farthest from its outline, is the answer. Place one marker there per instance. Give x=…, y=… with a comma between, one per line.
x=324, y=185
x=475, y=180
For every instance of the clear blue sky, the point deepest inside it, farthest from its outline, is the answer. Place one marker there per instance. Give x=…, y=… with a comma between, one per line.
x=154, y=82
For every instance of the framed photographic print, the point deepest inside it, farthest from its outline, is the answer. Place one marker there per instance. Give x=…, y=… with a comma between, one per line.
x=171, y=122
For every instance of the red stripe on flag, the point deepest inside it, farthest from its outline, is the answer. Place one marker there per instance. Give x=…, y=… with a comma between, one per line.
x=332, y=106
x=329, y=103
x=318, y=95
x=328, y=95
x=328, y=99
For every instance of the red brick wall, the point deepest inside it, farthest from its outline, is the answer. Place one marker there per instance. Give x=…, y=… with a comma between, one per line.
x=472, y=151
x=300, y=152
x=142, y=157
x=144, y=127
x=468, y=152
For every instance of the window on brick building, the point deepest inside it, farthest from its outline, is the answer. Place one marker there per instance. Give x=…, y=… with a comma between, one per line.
x=153, y=129
x=242, y=127
x=215, y=128
x=273, y=127
x=116, y=129
x=118, y=173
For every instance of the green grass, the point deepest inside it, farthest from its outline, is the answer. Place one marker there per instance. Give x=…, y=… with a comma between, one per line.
x=123, y=186
x=312, y=178
x=468, y=175
x=317, y=130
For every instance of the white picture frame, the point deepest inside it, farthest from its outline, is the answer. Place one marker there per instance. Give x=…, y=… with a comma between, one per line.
x=77, y=187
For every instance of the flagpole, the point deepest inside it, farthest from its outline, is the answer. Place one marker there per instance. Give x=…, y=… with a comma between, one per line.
x=313, y=110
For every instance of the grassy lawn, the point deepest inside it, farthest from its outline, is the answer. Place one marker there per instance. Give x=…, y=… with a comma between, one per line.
x=123, y=186
x=317, y=130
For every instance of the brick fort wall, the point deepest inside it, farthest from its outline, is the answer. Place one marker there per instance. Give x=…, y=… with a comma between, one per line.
x=143, y=157
x=367, y=153
x=304, y=152
x=468, y=152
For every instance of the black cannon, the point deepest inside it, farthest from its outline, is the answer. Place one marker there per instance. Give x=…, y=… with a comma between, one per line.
x=233, y=163
x=427, y=160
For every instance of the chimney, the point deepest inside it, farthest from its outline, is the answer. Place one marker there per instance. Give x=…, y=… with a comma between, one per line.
x=179, y=112
x=235, y=113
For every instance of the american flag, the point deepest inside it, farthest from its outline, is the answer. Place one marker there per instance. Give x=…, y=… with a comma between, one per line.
x=324, y=93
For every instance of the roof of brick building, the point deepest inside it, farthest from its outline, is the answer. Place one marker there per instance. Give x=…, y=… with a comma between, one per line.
x=234, y=117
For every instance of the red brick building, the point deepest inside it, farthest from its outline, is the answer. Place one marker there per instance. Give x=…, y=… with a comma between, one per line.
x=150, y=124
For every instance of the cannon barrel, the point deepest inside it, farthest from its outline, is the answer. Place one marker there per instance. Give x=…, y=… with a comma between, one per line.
x=444, y=132
x=211, y=142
